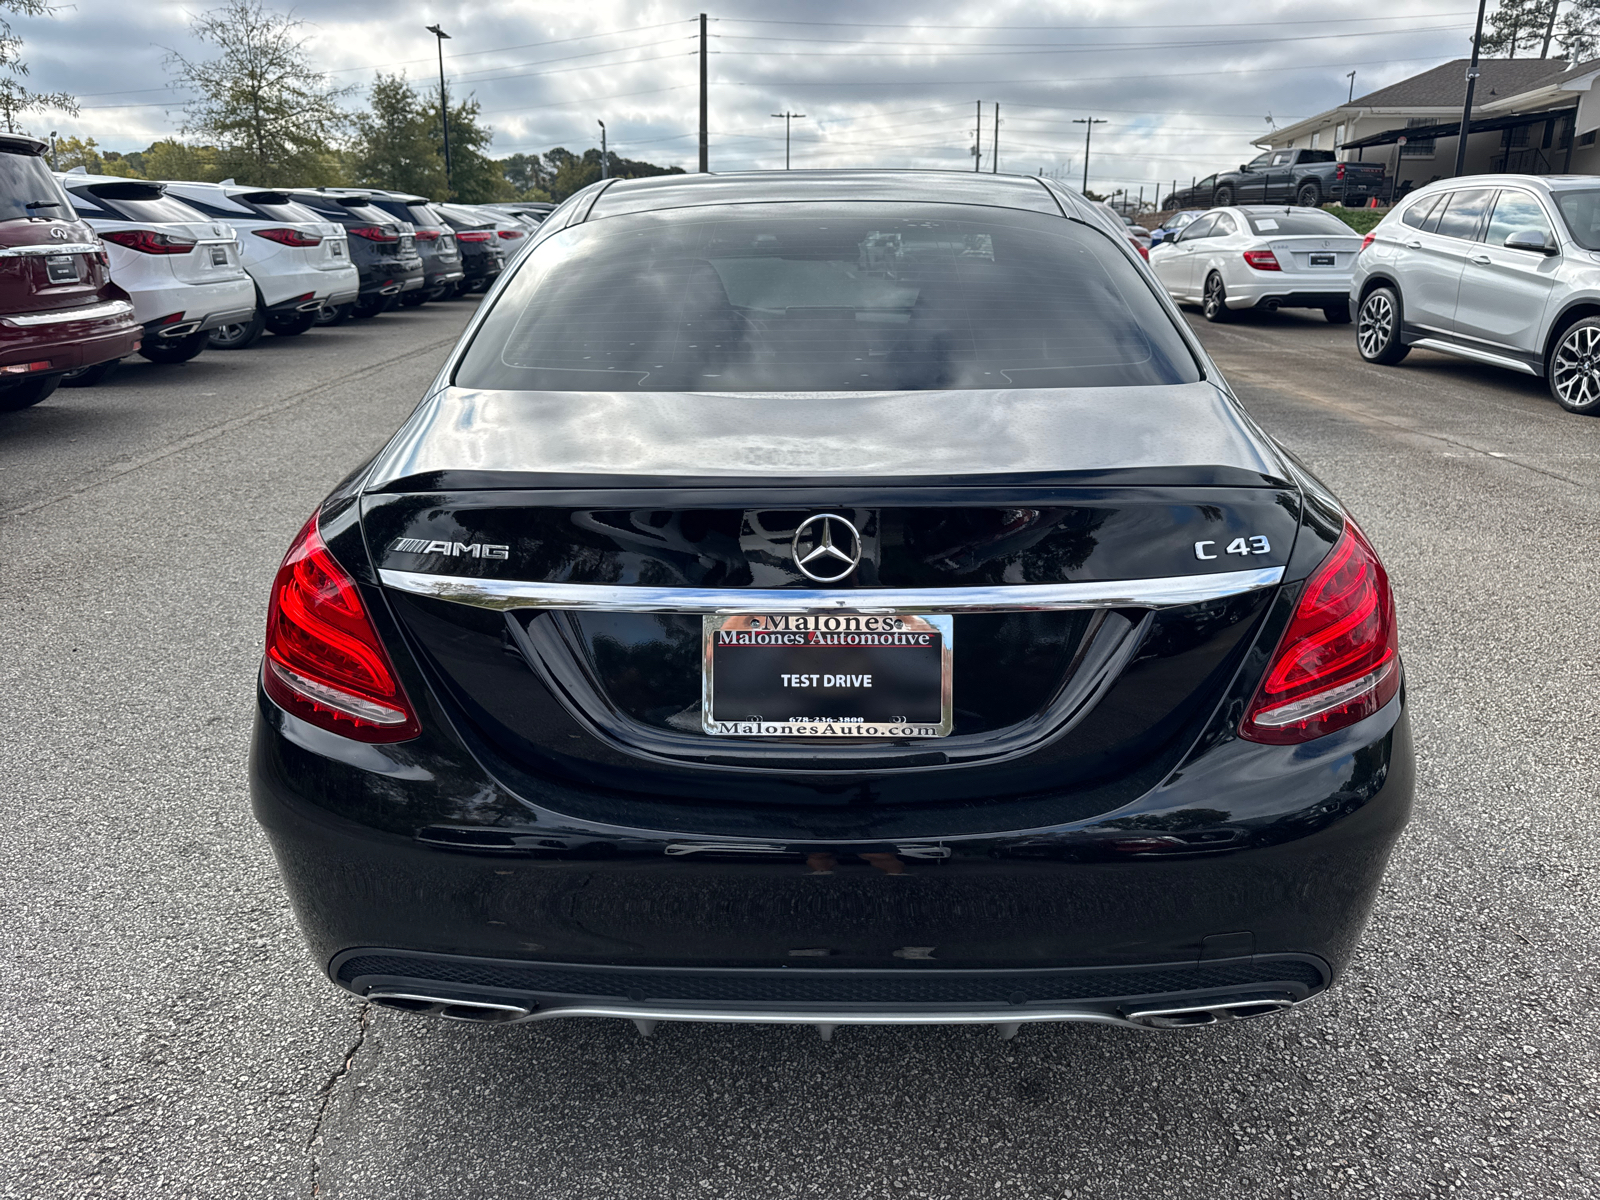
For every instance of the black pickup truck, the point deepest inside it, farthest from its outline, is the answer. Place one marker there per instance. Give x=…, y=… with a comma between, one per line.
x=1304, y=177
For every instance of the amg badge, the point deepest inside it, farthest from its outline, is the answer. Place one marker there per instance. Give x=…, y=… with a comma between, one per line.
x=457, y=549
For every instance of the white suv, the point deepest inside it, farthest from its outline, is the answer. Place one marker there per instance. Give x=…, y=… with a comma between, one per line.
x=180, y=268
x=300, y=262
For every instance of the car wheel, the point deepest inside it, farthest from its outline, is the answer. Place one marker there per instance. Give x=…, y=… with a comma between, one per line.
x=1338, y=314
x=89, y=376
x=370, y=306
x=175, y=350
x=1215, y=302
x=1378, y=328
x=1574, y=368
x=238, y=336
x=1309, y=195
x=413, y=299
x=439, y=293
x=462, y=287
x=293, y=324
x=26, y=395
x=1222, y=197
x=333, y=314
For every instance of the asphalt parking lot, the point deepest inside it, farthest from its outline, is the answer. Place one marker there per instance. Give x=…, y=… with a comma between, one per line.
x=166, y=1034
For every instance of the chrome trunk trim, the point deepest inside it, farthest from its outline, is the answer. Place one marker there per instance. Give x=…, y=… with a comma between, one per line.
x=505, y=594
x=60, y=316
x=52, y=248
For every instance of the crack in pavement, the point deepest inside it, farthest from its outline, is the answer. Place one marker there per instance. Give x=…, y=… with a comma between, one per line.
x=363, y=1020
x=211, y=432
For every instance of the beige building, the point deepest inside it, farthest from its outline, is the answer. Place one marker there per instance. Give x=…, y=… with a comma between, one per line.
x=1529, y=115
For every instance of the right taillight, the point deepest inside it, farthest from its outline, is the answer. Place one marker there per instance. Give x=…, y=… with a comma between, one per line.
x=148, y=241
x=289, y=237
x=427, y=235
x=475, y=235
x=325, y=662
x=1339, y=660
x=374, y=233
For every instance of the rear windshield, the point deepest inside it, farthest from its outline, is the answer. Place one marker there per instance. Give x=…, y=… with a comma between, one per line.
x=423, y=215
x=1296, y=222
x=826, y=297
x=288, y=211
x=1581, y=211
x=27, y=189
x=157, y=211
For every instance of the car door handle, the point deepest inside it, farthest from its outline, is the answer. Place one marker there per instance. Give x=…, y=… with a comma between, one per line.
x=1413, y=245
x=1483, y=260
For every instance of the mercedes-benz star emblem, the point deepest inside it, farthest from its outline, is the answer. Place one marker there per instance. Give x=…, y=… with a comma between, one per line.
x=826, y=547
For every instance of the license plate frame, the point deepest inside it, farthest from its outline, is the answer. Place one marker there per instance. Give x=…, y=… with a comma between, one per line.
x=1324, y=260
x=857, y=645
x=61, y=268
x=219, y=256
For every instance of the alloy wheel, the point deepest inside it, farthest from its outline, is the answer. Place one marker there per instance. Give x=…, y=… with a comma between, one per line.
x=1575, y=369
x=1215, y=301
x=1376, y=325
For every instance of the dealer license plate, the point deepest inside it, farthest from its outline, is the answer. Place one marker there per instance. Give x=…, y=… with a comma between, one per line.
x=1322, y=260
x=827, y=675
x=61, y=268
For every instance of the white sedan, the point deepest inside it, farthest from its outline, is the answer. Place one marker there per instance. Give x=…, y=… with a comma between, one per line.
x=1255, y=256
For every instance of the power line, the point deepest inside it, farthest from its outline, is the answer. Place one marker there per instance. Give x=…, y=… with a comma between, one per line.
x=1079, y=28
x=1093, y=48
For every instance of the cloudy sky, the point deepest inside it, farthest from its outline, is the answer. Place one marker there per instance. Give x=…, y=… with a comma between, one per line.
x=1183, y=87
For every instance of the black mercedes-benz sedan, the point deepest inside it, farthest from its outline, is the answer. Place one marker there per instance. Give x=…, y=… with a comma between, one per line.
x=832, y=598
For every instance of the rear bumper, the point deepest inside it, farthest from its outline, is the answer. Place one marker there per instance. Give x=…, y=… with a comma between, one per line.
x=71, y=338
x=1289, y=293
x=507, y=895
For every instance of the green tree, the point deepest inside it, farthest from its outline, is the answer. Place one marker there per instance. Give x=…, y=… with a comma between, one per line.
x=172, y=159
x=475, y=178
x=569, y=172
x=72, y=152
x=396, y=146
x=273, y=117
x=16, y=98
x=1516, y=25
x=1579, y=30
x=527, y=173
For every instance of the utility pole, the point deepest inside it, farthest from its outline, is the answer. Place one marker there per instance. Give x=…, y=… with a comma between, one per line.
x=994, y=150
x=705, y=148
x=605, y=172
x=1088, y=124
x=1472, y=82
x=977, y=139
x=1352, y=78
x=439, y=37
x=787, y=117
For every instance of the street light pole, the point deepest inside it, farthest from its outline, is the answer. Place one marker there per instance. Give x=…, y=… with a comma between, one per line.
x=439, y=36
x=705, y=103
x=1472, y=82
x=1088, y=124
x=977, y=139
x=787, y=117
x=604, y=173
x=994, y=149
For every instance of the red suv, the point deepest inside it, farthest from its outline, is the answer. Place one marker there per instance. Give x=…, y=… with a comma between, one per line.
x=59, y=310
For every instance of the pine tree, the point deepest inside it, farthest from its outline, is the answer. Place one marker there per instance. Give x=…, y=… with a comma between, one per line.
x=395, y=146
x=16, y=98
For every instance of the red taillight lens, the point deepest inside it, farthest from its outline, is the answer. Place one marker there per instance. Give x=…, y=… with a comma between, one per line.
x=374, y=233
x=1143, y=253
x=1262, y=260
x=148, y=241
x=1367, y=241
x=475, y=235
x=1339, y=660
x=1338, y=171
x=324, y=661
x=289, y=237
x=510, y=235
x=427, y=235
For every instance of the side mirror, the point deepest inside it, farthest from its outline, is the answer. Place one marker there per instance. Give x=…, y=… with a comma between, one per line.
x=1245, y=167
x=1530, y=239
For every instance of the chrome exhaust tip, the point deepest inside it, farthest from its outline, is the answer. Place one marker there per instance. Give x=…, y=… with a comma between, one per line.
x=178, y=331
x=309, y=306
x=1194, y=1016
x=477, y=1012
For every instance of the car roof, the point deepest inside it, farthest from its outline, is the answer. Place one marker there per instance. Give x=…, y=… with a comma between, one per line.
x=756, y=187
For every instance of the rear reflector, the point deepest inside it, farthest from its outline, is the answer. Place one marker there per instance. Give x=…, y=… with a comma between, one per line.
x=325, y=662
x=25, y=368
x=148, y=241
x=289, y=237
x=1262, y=260
x=1339, y=660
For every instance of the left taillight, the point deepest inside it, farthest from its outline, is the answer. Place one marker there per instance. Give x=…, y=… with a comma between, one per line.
x=1367, y=241
x=324, y=661
x=1339, y=660
x=149, y=241
x=510, y=235
x=1262, y=260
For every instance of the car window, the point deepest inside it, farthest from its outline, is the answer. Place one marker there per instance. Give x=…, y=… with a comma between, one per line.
x=1225, y=226
x=288, y=211
x=1297, y=222
x=422, y=214
x=157, y=210
x=1200, y=227
x=1316, y=156
x=1518, y=212
x=1580, y=209
x=1283, y=158
x=1208, y=181
x=27, y=189
x=1464, y=214
x=826, y=297
x=1259, y=160
x=1417, y=214
x=214, y=206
